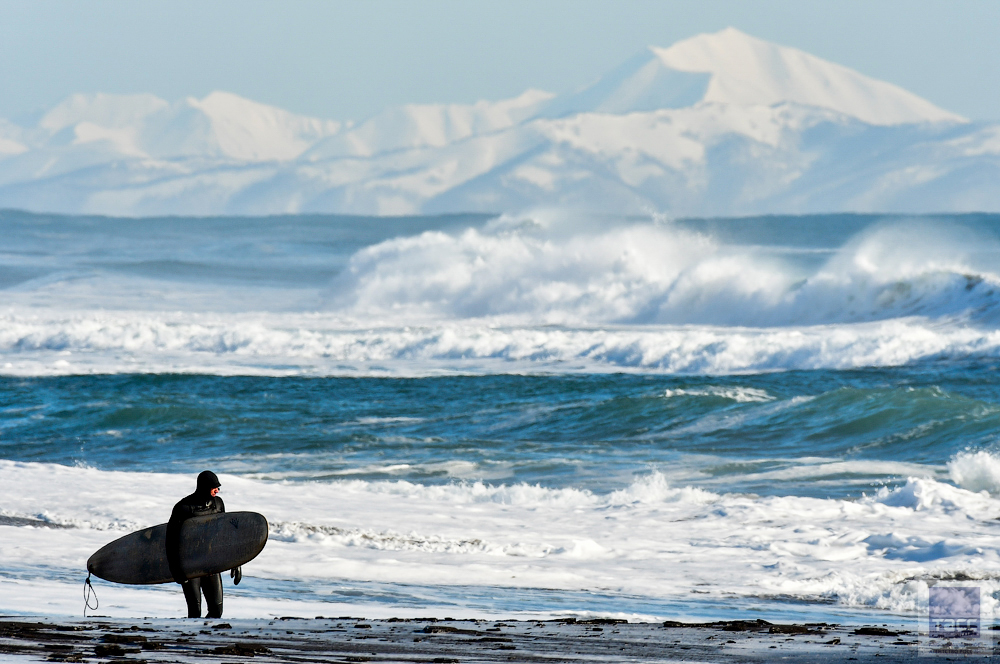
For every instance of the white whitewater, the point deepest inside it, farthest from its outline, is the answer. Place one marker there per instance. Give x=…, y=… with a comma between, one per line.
x=648, y=539
x=547, y=292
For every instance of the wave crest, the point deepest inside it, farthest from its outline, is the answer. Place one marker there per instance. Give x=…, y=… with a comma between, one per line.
x=272, y=344
x=976, y=471
x=662, y=274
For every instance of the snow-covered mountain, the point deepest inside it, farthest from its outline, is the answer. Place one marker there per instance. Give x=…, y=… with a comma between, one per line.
x=222, y=125
x=730, y=67
x=428, y=125
x=718, y=124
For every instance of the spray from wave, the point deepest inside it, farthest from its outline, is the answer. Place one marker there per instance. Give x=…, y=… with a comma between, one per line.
x=553, y=293
x=976, y=471
x=661, y=274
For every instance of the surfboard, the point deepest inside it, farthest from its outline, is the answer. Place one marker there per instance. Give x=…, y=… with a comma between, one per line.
x=208, y=545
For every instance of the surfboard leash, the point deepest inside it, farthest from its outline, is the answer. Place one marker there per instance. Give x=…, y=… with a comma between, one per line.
x=88, y=591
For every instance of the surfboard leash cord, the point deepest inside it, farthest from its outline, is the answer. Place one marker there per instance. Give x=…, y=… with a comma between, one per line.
x=88, y=592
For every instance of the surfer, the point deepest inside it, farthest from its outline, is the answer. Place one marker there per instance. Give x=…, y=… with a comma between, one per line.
x=205, y=500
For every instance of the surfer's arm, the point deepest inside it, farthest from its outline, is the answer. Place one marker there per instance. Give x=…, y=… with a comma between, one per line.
x=173, y=542
x=236, y=573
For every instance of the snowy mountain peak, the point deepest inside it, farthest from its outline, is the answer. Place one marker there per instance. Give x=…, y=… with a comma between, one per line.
x=110, y=111
x=746, y=71
x=732, y=67
x=718, y=124
x=248, y=130
x=429, y=125
x=221, y=125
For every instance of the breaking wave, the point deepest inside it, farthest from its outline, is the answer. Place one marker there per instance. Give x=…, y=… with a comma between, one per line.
x=547, y=294
x=976, y=471
x=662, y=274
x=266, y=345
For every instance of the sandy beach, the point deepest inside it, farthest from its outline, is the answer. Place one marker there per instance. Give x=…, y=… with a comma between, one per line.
x=321, y=639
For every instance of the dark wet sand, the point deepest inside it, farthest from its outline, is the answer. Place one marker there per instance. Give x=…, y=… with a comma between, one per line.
x=443, y=641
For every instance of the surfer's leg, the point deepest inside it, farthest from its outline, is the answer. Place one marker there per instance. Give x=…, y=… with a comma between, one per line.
x=192, y=593
x=212, y=586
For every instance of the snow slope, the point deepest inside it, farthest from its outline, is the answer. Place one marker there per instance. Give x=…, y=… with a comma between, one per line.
x=428, y=125
x=222, y=125
x=718, y=124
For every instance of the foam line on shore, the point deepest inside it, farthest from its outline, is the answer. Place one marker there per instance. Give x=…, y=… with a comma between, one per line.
x=61, y=343
x=647, y=539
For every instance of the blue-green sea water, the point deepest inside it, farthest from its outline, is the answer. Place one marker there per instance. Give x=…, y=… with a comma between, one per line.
x=794, y=417
x=590, y=431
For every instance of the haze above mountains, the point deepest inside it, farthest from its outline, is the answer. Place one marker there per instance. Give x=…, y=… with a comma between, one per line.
x=718, y=124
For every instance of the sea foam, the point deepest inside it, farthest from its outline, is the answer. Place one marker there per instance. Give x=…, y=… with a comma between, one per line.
x=662, y=274
x=976, y=471
x=647, y=539
x=545, y=291
x=54, y=343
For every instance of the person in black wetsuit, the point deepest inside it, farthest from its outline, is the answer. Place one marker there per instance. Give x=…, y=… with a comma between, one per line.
x=205, y=500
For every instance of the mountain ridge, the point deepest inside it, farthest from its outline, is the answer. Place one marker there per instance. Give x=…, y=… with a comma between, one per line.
x=720, y=123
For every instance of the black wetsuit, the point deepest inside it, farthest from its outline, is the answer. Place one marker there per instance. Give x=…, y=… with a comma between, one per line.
x=199, y=503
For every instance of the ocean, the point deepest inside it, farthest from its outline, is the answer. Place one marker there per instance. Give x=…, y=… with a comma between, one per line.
x=546, y=414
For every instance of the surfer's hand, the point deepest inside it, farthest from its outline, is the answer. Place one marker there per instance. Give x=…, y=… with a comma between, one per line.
x=237, y=575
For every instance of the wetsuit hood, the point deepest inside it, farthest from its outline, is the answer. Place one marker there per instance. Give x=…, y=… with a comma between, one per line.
x=207, y=481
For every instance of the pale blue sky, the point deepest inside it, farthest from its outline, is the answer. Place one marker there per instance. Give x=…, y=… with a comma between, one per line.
x=349, y=59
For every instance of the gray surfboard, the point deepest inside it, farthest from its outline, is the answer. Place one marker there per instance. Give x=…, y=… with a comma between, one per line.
x=208, y=545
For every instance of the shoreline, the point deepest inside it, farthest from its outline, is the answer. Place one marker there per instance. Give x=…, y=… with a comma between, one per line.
x=450, y=641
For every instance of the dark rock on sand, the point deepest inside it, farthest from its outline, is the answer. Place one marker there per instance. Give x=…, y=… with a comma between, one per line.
x=481, y=641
